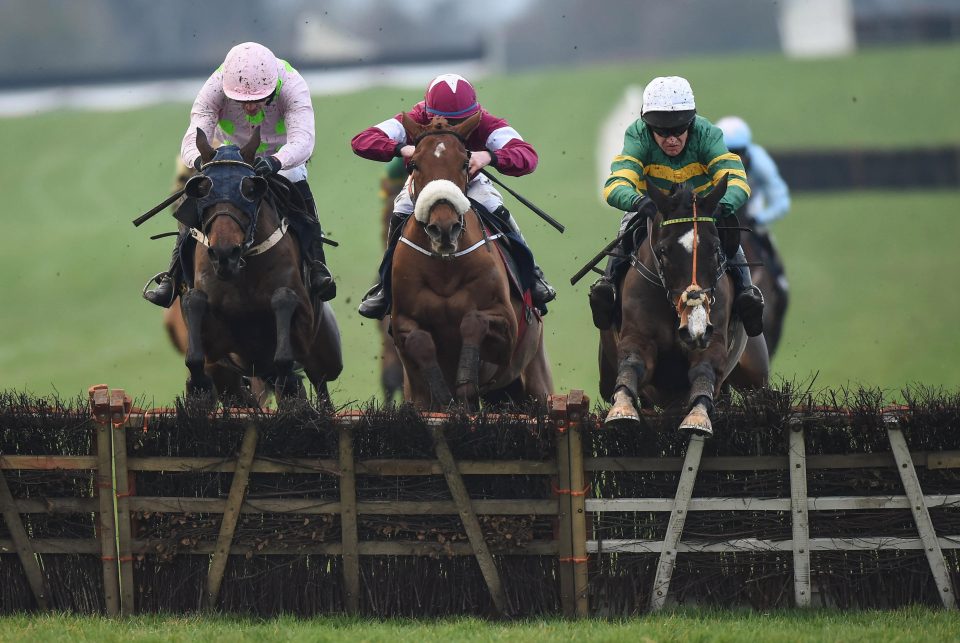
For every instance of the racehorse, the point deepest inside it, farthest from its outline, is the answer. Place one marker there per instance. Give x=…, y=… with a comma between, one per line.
x=767, y=271
x=456, y=323
x=249, y=307
x=678, y=340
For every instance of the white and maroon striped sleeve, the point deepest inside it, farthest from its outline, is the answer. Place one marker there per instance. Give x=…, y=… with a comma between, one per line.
x=513, y=155
x=379, y=143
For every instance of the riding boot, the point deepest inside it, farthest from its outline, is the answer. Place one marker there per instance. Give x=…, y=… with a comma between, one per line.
x=603, y=292
x=747, y=298
x=541, y=292
x=322, y=284
x=168, y=283
x=376, y=302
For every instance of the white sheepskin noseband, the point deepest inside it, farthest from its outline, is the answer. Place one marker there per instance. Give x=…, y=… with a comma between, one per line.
x=439, y=190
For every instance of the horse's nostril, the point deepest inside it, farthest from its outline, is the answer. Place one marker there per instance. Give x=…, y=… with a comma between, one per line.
x=433, y=230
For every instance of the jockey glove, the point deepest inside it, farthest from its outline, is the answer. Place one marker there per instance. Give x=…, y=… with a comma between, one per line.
x=644, y=206
x=267, y=165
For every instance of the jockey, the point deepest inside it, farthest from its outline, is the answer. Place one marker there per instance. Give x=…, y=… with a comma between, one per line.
x=770, y=196
x=253, y=88
x=493, y=143
x=671, y=143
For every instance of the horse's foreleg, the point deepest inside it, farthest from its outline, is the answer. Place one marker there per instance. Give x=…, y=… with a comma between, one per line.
x=194, y=307
x=474, y=328
x=631, y=373
x=418, y=346
x=703, y=384
x=284, y=303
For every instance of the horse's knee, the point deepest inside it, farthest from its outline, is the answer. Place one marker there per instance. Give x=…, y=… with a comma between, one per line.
x=284, y=299
x=419, y=345
x=474, y=327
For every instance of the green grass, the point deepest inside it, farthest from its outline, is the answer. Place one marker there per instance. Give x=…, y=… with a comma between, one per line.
x=870, y=272
x=914, y=624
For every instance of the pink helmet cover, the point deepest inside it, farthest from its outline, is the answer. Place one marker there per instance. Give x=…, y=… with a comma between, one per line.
x=250, y=72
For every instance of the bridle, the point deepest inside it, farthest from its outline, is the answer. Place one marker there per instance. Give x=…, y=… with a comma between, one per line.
x=694, y=294
x=251, y=207
x=412, y=167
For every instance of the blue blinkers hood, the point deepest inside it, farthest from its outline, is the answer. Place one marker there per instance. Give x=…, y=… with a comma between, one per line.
x=226, y=172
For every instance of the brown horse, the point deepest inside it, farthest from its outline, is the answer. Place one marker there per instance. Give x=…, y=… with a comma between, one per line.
x=455, y=323
x=249, y=307
x=678, y=340
x=227, y=380
x=769, y=276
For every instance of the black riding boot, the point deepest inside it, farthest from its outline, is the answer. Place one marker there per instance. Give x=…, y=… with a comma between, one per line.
x=376, y=303
x=603, y=292
x=168, y=283
x=747, y=298
x=541, y=292
x=322, y=284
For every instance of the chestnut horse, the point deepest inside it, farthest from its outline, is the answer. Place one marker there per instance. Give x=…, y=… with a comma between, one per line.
x=248, y=306
x=455, y=322
x=678, y=340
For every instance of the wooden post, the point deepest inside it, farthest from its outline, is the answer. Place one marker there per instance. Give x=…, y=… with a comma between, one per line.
x=106, y=519
x=799, y=518
x=577, y=406
x=668, y=556
x=231, y=513
x=119, y=408
x=31, y=566
x=348, y=522
x=921, y=515
x=469, y=518
x=568, y=587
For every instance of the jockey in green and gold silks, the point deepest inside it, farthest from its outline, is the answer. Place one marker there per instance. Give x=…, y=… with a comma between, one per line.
x=670, y=144
x=703, y=161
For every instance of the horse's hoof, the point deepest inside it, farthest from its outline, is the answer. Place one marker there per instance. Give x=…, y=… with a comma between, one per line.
x=625, y=417
x=698, y=421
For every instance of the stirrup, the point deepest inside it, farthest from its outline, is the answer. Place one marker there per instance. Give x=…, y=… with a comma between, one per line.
x=158, y=279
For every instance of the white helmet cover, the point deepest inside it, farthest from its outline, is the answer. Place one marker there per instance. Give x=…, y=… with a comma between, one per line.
x=736, y=132
x=668, y=94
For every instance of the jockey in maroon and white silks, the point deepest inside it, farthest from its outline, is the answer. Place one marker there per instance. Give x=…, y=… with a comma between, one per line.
x=493, y=142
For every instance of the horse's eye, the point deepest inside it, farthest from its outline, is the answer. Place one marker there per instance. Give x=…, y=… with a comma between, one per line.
x=466, y=165
x=411, y=166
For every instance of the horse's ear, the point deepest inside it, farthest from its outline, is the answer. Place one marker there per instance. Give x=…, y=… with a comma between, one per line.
x=253, y=187
x=204, y=147
x=197, y=186
x=711, y=201
x=411, y=127
x=466, y=128
x=248, y=151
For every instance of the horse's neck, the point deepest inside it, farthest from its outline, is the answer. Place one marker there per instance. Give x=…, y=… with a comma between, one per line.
x=267, y=221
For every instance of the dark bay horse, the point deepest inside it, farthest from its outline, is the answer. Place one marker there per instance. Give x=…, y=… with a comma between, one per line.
x=678, y=340
x=248, y=307
x=455, y=322
x=766, y=268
